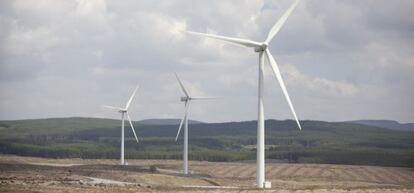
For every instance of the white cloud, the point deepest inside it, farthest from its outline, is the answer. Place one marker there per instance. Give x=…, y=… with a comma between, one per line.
x=95, y=8
x=320, y=86
x=30, y=41
x=67, y=57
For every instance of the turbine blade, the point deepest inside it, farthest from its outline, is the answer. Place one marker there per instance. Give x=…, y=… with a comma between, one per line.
x=187, y=106
x=204, y=98
x=111, y=107
x=276, y=71
x=181, y=85
x=132, y=127
x=243, y=42
x=132, y=97
x=280, y=22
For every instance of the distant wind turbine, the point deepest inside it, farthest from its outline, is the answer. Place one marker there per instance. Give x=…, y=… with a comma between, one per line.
x=124, y=111
x=187, y=100
x=263, y=50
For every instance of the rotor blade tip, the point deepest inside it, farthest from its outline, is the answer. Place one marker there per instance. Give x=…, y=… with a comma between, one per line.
x=300, y=127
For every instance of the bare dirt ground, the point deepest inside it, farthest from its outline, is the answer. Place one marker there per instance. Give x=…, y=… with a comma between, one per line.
x=30, y=174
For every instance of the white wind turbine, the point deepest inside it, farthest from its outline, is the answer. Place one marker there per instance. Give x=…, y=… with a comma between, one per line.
x=124, y=111
x=187, y=100
x=263, y=50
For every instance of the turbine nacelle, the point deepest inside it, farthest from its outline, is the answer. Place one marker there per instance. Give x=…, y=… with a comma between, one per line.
x=261, y=48
x=185, y=99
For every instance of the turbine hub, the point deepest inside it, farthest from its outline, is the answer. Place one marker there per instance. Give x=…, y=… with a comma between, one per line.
x=261, y=48
x=184, y=99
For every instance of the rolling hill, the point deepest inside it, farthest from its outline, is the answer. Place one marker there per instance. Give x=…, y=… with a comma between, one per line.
x=165, y=122
x=318, y=142
x=389, y=124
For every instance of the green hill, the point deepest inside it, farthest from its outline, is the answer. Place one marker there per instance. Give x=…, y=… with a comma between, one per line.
x=318, y=142
x=389, y=124
x=165, y=122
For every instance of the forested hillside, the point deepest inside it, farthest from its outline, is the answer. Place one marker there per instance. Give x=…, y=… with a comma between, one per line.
x=318, y=142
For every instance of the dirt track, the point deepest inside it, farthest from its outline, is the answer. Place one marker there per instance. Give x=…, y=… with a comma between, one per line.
x=27, y=174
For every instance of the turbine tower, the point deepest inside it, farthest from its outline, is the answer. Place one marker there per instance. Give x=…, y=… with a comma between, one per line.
x=187, y=100
x=262, y=49
x=124, y=111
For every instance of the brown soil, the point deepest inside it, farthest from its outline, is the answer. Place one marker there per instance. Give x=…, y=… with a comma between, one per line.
x=30, y=174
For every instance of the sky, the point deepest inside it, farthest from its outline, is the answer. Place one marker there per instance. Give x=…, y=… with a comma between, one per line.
x=341, y=60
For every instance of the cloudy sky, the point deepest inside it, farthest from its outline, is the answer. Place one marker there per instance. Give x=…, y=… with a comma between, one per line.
x=341, y=60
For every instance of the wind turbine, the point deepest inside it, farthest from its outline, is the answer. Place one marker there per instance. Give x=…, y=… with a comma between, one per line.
x=124, y=111
x=187, y=100
x=263, y=50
